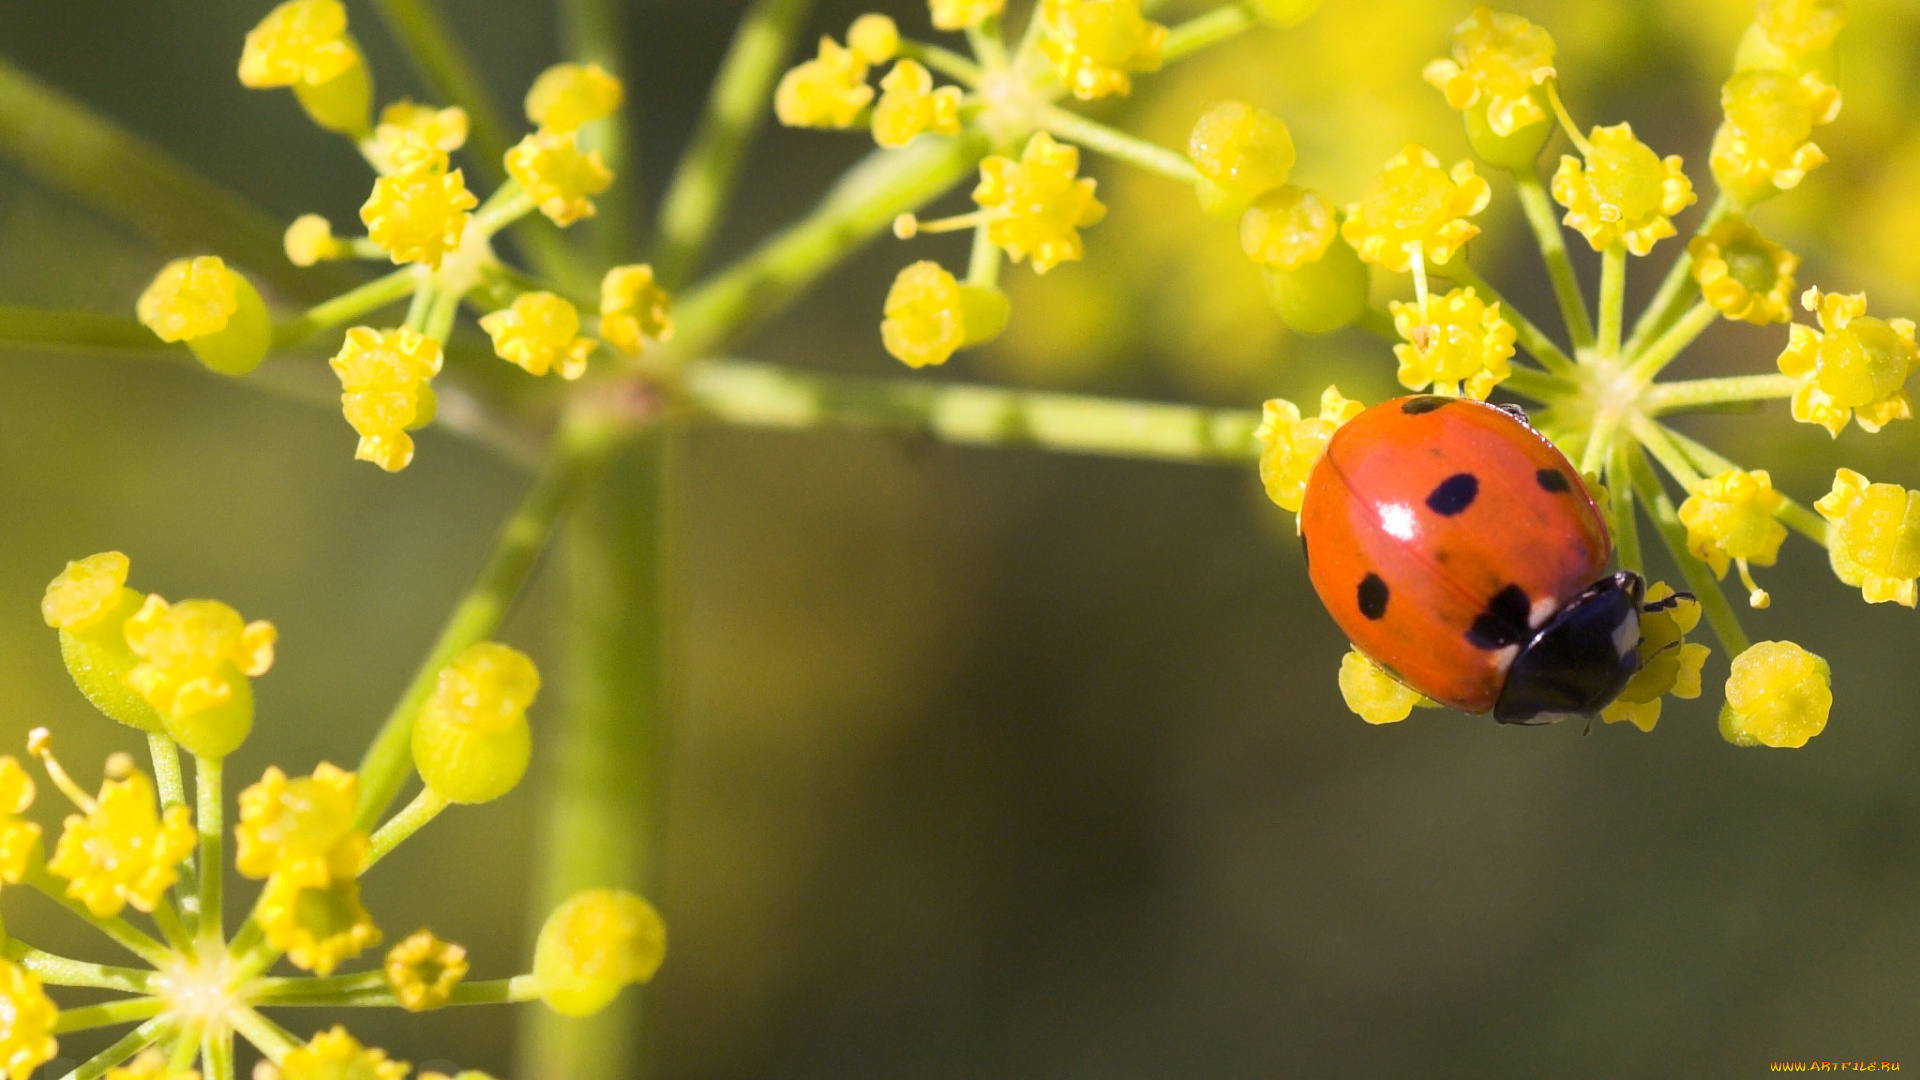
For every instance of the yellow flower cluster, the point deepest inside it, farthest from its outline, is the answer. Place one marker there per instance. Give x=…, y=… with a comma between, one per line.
x=829, y=91
x=1498, y=62
x=539, y=333
x=566, y=96
x=1801, y=26
x=1416, y=207
x=304, y=44
x=1037, y=205
x=1729, y=517
x=910, y=106
x=1778, y=694
x=1291, y=446
x=1097, y=45
x=1623, y=193
x=215, y=311
x=1744, y=275
x=1241, y=153
x=1288, y=228
x=1764, y=146
x=1669, y=663
x=1873, y=539
x=1459, y=345
x=560, y=179
x=420, y=214
x=310, y=240
x=195, y=659
x=931, y=315
x=385, y=392
x=301, y=829
x=1854, y=367
x=317, y=926
x=123, y=850
x=1372, y=693
x=423, y=971
x=633, y=309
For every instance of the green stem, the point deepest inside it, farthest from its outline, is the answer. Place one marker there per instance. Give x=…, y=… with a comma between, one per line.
x=108, y=1013
x=1545, y=223
x=216, y=1052
x=1626, y=526
x=124, y=933
x=1663, y=398
x=1117, y=144
x=287, y=994
x=769, y=396
x=173, y=792
x=1700, y=580
x=945, y=61
x=186, y=1047
x=346, y=307
x=1526, y=334
x=60, y=971
x=130, y=1044
x=424, y=808
x=1613, y=297
x=984, y=261
x=1658, y=440
x=986, y=40
x=1795, y=516
x=1678, y=287
x=76, y=329
x=268, y=1037
x=708, y=173
x=595, y=32
x=1206, y=31
x=860, y=207
x=604, y=793
x=446, y=308
x=1675, y=341
x=168, y=921
x=206, y=780
x=1538, y=385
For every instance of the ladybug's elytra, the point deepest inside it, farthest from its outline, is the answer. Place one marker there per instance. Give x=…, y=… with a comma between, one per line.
x=1458, y=549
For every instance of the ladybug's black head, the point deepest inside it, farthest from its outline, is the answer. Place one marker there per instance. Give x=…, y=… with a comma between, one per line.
x=1580, y=660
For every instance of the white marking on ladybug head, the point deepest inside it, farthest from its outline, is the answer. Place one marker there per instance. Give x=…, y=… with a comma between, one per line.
x=1397, y=520
x=1542, y=610
x=1626, y=636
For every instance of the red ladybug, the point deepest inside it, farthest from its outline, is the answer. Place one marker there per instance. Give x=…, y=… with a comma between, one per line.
x=1459, y=550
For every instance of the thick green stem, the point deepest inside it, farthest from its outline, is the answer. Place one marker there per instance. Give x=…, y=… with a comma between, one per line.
x=736, y=109
x=1663, y=398
x=424, y=808
x=209, y=817
x=77, y=330
x=1545, y=222
x=1206, y=31
x=595, y=32
x=1529, y=336
x=1700, y=579
x=1677, y=288
x=604, y=791
x=130, y=1044
x=108, y=1013
x=60, y=971
x=1675, y=341
x=1118, y=144
x=1613, y=297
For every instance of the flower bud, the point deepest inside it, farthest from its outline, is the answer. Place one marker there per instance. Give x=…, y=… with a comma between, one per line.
x=89, y=603
x=1321, y=296
x=1242, y=153
x=195, y=660
x=1778, y=694
x=1516, y=151
x=471, y=741
x=344, y=103
x=592, y=946
x=215, y=311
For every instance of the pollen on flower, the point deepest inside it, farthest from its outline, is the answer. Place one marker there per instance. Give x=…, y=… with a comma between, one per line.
x=561, y=179
x=336, y=1055
x=1802, y=26
x=123, y=850
x=1371, y=693
x=1288, y=228
x=471, y=741
x=1291, y=446
x=310, y=240
x=1743, y=274
x=26, y=1038
x=592, y=946
x=1498, y=60
x=1854, y=367
x=1098, y=45
x=960, y=14
x=85, y=590
x=1461, y=345
x=19, y=838
x=1778, y=694
x=383, y=378
x=539, y=333
x=1765, y=144
x=1729, y=518
x=910, y=106
x=418, y=216
x=1037, y=205
x=828, y=91
x=189, y=298
x=566, y=96
x=300, y=829
x=1874, y=538
x=301, y=41
x=318, y=927
x=423, y=970
x=1415, y=205
x=1623, y=193
x=1241, y=153
x=874, y=38
x=633, y=309
x=410, y=137
x=195, y=655
x=1669, y=663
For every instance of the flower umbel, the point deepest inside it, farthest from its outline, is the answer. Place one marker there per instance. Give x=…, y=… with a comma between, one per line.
x=540, y=333
x=317, y=926
x=1854, y=367
x=829, y=91
x=123, y=850
x=195, y=659
x=566, y=96
x=910, y=106
x=383, y=378
x=336, y=1055
x=1097, y=45
x=420, y=215
x=1372, y=693
x=931, y=315
x=423, y=970
x=300, y=829
x=633, y=309
x=1874, y=537
x=593, y=945
x=27, y=1017
x=1764, y=147
x=560, y=179
x=1242, y=153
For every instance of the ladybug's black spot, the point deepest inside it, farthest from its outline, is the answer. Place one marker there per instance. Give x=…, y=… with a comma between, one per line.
x=1504, y=622
x=1373, y=596
x=1553, y=480
x=1454, y=494
x=1416, y=405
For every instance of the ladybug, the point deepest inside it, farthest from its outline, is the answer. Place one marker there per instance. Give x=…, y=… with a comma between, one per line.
x=1460, y=551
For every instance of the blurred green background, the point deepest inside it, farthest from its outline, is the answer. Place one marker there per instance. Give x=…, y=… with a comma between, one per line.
x=995, y=764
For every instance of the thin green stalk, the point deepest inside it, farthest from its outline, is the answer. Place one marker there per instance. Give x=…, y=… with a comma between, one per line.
x=984, y=261
x=1671, y=344
x=770, y=396
x=707, y=175
x=446, y=308
x=168, y=921
x=411, y=819
x=1613, y=297
x=1678, y=287
x=595, y=32
x=945, y=61
x=206, y=781
x=1663, y=398
x=1118, y=144
x=346, y=307
x=485, y=992
x=268, y=1037
x=216, y=1051
x=1206, y=31
x=108, y=1013
x=986, y=39
x=1626, y=525
x=860, y=207
x=130, y=1044
x=60, y=971
x=1545, y=222
x=1527, y=335
x=124, y=933
x=1700, y=580
x=186, y=1047
x=1791, y=513
x=1537, y=385
x=576, y=452
x=70, y=148
x=1659, y=442
x=76, y=329
x=604, y=792
x=172, y=786
x=315, y=988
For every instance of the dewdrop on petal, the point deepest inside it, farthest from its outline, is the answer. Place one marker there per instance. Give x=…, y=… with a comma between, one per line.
x=910, y=106
x=1622, y=193
x=336, y=1055
x=300, y=829
x=1744, y=275
x=560, y=179
x=566, y=96
x=539, y=333
x=26, y=1037
x=195, y=661
x=1292, y=446
x=89, y=604
x=1854, y=367
x=317, y=926
x=1372, y=694
x=123, y=850
x=931, y=315
x=1778, y=694
x=1415, y=205
x=828, y=91
x=1097, y=45
x=960, y=14
x=1242, y=153
x=215, y=311
x=633, y=309
x=1729, y=518
x=874, y=38
x=423, y=971
x=471, y=741
x=1037, y=205
x=1765, y=145
x=383, y=378
x=1669, y=663
x=594, y=945
x=1874, y=537
x=1460, y=346
x=418, y=216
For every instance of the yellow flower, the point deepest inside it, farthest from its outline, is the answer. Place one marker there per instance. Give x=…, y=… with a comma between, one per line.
x=1292, y=446
x=1874, y=541
x=1288, y=228
x=195, y=659
x=150, y=1065
x=316, y=926
x=1801, y=26
x=1415, y=205
x=1241, y=153
x=828, y=91
x=215, y=311
x=633, y=309
x=1373, y=694
x=383, y=379
x=300, y=829
x=960, y=14
x=336, y=1055
x=310, y=240
x=301, y=41
x=1778, y=694
x=85, y=591
x=1854, y=366
x=123, y=851
x=19, y=838
x=411, y=137
x=27, y=1017
x=471, y=742
x=540, y=333
x=1729, y=517
x=931, y=315
x=418, y=216
x=1498, y=60
x=89, y=603
x=1096, y=45
x=423, y=970
x=1036, y=206
x=1462, y=345
x=1764, y=146
x=566, y=96
x=910, y=106
x=1669, y=663
x=593, y=945
x=1743, y=274
x=1624, y=193
x=874, y=38
x=561, y=179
